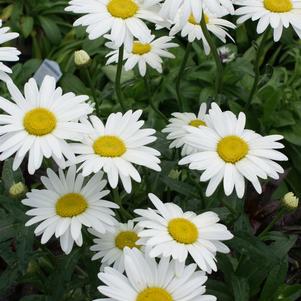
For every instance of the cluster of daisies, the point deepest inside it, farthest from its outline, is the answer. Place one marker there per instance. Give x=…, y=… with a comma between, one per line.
x=45, y=123
x=125, y=23
x=145, y=259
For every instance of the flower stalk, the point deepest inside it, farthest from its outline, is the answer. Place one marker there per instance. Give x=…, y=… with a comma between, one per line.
x=180, y=76
x=257, y=67
x=150, y=98
x=118, y=89
x=277, y=217
x=216, y=56
x=93, y=91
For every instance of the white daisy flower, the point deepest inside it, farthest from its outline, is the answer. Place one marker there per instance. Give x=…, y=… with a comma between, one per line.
x=192, y=29
x=177, y=131
x=229, y=152
x=111, y=245
x=170, y=8
x=116, y=146
x=39, y=122
x=172, y=232
x=278, y=14
x=7, y=54
x=147, y=280
x=121, y=18
x=144, y=54
x=67, y=204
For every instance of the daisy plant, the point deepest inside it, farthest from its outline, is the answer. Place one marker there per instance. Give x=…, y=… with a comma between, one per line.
x=171, y=232
x=111, y=246
x=115, y=147
x=41, y=123
x=275, y=14
x=177, y=128
x=144, y=54
x=232, y=153
x=147, y=280
x=67, y=203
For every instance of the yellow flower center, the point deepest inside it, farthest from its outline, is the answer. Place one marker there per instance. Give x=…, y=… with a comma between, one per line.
x=194, y=22
x=71, y=204
x=232, y=149
x=126, y=239
x=139, y=48
x=197, y=122
x=109, y=146
x=183, y=231
x=39, y=122
x=154, y=294
x=122, y=8
x=278, y=6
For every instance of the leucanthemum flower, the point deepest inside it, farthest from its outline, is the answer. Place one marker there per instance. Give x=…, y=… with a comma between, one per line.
x=147, y=280
x=121, y=18
x=278, y=14
x=144, y=54
x=66, y=204
x=7, y=54
x=192, y=29
x=170, y=8
x=228, y=152
x=177, y=131
x=111, y=245
x=40, y=122
x=116, y=146
x=171, y=232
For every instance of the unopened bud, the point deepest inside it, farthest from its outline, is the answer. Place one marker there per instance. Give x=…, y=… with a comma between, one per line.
x=17, y=190
x=81, y=58
x=290, y=201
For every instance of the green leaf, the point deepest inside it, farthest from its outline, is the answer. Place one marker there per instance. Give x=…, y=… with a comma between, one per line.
x=26, y=25
x=275, y=278
x=180, y=187
x=7, y=228
x=51, y=29
x=288, y=293
x=241, y=289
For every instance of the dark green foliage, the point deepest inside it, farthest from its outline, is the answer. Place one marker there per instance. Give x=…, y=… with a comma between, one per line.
x=257, y=269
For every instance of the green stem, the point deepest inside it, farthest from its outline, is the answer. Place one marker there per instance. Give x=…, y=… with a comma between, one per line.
x=277, y=217
x=180, y=76
x=151, y=102
x=257, y=67
x=216, y=56
x=118, y=201
x=92, y=88
x=225, y=204
x=118, y=78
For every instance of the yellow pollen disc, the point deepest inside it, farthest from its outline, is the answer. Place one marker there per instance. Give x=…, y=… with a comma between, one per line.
x=232, y=149
x=154, y=294
x=183, y=231
x=122, y=8
x=139, y=48
x=126, y=239
x=278, y=6
x=197, y=122
x=71, y=204
x=194, y=22
x=39, y=122
x=109, y=146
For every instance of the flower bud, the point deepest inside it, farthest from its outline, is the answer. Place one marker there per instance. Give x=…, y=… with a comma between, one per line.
x=81, y=58
x=290, y=201
x=17, y=190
